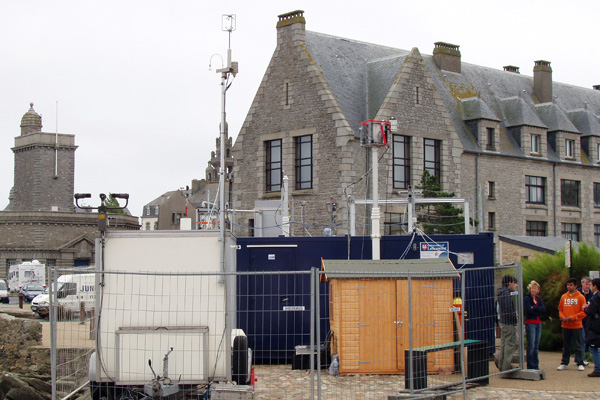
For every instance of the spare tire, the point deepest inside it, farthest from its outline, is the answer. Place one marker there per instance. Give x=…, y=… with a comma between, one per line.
x=240, y=373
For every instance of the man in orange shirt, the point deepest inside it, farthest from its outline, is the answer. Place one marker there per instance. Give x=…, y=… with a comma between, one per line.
x=571, y=312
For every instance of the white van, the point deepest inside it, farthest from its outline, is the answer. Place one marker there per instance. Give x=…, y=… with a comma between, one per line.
x=71, y=290
x=3, y=292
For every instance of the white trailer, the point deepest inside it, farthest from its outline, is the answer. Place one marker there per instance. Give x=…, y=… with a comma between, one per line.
x=148, y=312
x=26, y=272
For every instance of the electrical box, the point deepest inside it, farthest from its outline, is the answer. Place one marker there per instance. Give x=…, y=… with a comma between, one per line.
x=374, y=133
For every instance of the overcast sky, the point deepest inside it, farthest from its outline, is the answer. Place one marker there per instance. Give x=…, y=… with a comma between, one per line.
x=132, y=83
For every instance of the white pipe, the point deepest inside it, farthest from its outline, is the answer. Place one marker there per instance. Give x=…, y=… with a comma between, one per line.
x=285, y=219
x=375, y=216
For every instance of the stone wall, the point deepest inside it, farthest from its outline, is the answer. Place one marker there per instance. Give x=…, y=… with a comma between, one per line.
x=20, y=347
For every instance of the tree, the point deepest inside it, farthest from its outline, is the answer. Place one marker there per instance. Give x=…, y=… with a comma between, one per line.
x=438, y=218
x=550, y=272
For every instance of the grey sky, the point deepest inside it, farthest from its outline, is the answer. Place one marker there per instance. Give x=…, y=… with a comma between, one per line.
x=132, y=82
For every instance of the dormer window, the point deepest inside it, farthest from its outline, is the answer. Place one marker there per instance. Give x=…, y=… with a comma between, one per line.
x=535, y=144
x=569, y=148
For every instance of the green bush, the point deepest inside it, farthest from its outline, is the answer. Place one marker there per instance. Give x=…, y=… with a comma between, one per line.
x=550, y=272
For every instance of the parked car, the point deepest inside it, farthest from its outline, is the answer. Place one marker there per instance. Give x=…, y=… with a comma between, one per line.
x=3, y=292
x=30, y=290
x=40, y=305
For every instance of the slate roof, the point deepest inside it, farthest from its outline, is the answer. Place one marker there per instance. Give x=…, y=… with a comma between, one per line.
x=348, y=269
x=546, y=244
x=361, y=74
x=344, y=62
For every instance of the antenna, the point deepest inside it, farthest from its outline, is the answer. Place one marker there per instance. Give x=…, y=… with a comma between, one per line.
x=56, y=144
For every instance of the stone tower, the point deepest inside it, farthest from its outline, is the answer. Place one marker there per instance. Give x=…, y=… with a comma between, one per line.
x=44, y=168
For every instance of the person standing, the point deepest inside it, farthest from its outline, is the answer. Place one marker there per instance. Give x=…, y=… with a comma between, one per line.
x=534, y=308
x=507, y=315
x=586, y=291
x=571, y=312
x=592, y=338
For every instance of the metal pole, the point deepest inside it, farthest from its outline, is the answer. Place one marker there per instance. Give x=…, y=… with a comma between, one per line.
x=53, y=320
x=317, y=294
x=312, y=332
x=375, y=234
x=461, y=331
x=222, y=167
x=520, y=314
x=409, y=367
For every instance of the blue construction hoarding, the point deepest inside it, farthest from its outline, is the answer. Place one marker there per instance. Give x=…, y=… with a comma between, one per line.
x=274, y=309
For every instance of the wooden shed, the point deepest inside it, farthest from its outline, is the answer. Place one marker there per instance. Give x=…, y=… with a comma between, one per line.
x=369, y=312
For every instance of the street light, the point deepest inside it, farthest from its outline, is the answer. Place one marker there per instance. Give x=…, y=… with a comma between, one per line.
x=102, y=208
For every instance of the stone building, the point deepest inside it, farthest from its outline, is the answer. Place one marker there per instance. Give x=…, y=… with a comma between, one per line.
x=524, y=150
x=40, y=222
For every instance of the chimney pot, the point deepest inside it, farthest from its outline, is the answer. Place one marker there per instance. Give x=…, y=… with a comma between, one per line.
x=511, y=68
x=447, y=56
x=291, y=18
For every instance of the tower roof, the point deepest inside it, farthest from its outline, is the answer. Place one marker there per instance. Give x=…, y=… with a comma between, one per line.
x=31, y=121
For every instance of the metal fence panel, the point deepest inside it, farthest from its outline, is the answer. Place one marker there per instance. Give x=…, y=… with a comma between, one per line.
x=312, y=336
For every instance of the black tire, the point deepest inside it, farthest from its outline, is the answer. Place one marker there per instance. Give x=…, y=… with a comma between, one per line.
x=240, y=373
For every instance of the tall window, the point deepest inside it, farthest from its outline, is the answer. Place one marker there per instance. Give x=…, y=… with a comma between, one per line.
x=596, y=195
x=597, y=235
x=598, y=152
x=304, y=162
x=569, y=193
x=491, y=220
x=571, y=231
x=535, y=143
x=273, y=167
x=490, y=138
x=569, y=148
x=535, y=189
x=491, y=190
x=401, y=153
x=536, y=228
x=433, y=157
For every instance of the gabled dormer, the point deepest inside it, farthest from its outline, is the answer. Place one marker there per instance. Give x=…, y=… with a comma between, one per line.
x=523, y=123
x=483, y=124
x=563, y=136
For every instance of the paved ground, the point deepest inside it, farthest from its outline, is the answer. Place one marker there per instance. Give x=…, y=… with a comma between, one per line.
x=281, y=382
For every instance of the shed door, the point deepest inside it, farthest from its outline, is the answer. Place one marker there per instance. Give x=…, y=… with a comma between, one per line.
x=376, y=328
x=432, y=321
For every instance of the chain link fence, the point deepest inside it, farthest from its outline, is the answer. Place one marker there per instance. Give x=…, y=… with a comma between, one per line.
x=311, y=334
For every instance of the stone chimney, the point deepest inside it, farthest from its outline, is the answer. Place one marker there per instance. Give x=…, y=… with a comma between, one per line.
x=542, y=81
x=447, y=56
x=290, y=27
x=511, y=68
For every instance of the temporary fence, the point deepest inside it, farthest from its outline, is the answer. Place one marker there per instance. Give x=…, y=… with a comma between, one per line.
x=312, y=334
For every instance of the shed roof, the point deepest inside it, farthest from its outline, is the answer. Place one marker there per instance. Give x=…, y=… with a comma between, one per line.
x=348, y=269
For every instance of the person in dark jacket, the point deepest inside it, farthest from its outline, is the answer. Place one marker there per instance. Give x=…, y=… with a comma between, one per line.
x=507, y=316
x=592, y=339
x=534, y=308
